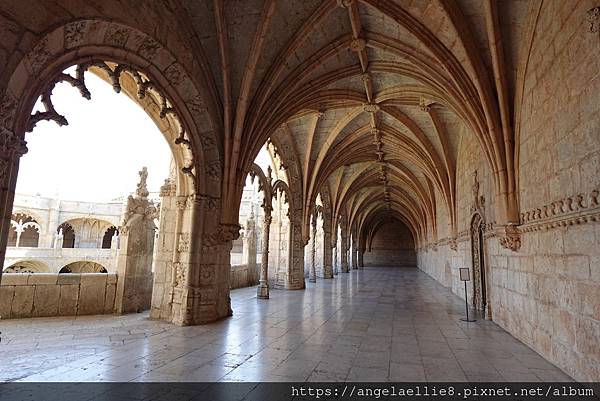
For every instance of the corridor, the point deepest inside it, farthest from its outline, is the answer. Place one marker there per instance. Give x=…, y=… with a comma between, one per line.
x=376, y=324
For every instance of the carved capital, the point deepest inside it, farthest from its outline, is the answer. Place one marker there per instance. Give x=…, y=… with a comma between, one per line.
x=11, y=144
x=225, y=233
x=511, y=238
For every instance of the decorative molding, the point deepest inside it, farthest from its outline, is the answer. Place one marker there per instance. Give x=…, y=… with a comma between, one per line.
x=371, y=107
x=478, y=201
x=593, y=17
x=11, y=144
x=573, y=210
x=184, y=242
x=180, y=273
x=224, y=234
x=511, y=238
x=169, y=188
x=208, y=202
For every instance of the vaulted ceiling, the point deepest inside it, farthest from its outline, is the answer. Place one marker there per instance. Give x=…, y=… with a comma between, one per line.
x=375, y=95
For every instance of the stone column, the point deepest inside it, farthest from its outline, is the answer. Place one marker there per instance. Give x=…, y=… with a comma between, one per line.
x=19, y=232
x=361, y=253
x=134, y=263
x=12, y=147
x=58, y=242
x=263, y=283
x=313, y=249
x=53, y=221
x=114, y=241
x=250, y=245
x=163, y=289
x=344, y=252
x=327, y=250
x=335, y=263
x=354, y=253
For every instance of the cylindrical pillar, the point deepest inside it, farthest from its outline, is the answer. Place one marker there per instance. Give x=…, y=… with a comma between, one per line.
x=313, y=248
x=263, y=283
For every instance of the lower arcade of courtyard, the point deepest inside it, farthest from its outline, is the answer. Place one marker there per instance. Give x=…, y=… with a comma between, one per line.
x=372, y=324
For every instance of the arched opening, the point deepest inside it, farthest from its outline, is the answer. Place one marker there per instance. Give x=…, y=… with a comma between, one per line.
x=390, y=244
x=67, y=233
x=262, y=254
x=109, y=237
x=83, y=267
x=93, y=211
x=24, y=232
x=27, y=266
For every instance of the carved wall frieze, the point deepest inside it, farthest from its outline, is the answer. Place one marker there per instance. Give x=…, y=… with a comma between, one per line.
x=39, y=56
x=116, y=35
x=149, y=48
x=74, y=33
x=576, y=209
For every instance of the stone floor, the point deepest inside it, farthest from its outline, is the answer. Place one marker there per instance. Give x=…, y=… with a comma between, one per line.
x=375, y=324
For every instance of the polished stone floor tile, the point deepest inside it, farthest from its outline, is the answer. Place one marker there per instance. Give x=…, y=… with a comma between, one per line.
x=376, y=324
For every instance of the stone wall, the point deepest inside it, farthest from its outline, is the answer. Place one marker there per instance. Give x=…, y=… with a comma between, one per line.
x=242, y=276
x=392, y=245
x=547, y=294
x=52, y=294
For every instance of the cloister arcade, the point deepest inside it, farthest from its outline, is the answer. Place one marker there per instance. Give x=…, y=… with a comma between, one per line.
x=401, y=136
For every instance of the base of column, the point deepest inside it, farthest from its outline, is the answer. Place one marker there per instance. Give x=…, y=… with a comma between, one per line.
x=200, y=305
x=262, y=291
x=312, y=280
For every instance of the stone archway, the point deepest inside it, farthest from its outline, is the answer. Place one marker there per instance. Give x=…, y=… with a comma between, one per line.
x=196, y=287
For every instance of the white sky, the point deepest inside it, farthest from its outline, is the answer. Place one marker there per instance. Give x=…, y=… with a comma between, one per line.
x=98, y=155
